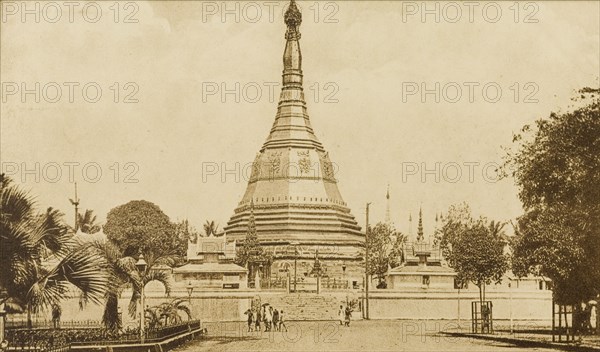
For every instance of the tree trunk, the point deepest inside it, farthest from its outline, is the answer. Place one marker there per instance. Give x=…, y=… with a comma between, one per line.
x=29, y=321
x=111, y=318
x=483, y=285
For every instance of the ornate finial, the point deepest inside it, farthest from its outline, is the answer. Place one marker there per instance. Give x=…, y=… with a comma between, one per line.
x=387, y=206
x=293, y=19
x=420, y=236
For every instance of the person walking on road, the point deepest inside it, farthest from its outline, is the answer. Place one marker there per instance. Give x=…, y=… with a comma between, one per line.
x=257, y=321
x=275, y=320
x=250, y=315
x=347, y=315
x=282, y=321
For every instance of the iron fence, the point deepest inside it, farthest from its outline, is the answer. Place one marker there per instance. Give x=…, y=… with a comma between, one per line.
x=60, y=340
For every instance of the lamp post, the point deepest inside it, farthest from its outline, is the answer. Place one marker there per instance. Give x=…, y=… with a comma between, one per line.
x=367, y=265
x=190, y=290
x=258, y=277
x=510, y=305
x=344, y=275
x=317, y=269
x=141, y=266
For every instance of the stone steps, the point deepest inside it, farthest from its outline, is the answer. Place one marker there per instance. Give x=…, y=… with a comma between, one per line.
x=305, y=306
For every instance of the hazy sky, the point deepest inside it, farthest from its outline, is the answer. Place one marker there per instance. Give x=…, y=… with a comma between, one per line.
x=365, y=65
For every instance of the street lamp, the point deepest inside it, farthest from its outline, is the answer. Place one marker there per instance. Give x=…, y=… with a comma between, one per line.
x=141, y=266
x=317, y=270
x=344, y=275
x=510, y=312
x=190, y=290
x=367, y=264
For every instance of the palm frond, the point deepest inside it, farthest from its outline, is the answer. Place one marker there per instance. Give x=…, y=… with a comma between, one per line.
x=80, y=268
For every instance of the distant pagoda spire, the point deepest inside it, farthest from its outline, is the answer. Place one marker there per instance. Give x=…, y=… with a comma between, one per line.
x=432, y=236
x=387, y=208
x=409, y=225
x=420, y=235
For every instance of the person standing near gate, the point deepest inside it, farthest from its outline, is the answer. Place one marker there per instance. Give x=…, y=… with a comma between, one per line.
x=276, y=320
x=282, y=321
x=250, y=314
x=348, y=314
x=257, y=321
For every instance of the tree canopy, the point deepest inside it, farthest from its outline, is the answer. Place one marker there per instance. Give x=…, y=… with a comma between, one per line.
x=473, y=247
x=87, y=222
x=556, y=165
x=142, y=226
x=385, y=249
x=40, y=262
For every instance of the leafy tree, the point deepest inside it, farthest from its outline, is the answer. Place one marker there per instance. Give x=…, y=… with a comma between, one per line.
x=474, y=248
x=548, y=244
x=141, y=226
x=187, y=232
x=87, y=222
x=556, y=166
x=385, y=248
x=39, y=260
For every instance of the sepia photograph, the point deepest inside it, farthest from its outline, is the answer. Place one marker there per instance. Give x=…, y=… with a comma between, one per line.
x=299, y=175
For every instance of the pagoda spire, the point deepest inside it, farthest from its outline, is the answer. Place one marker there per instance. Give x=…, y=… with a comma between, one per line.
x=387, y=209
x=420, y=236
x=292, y=128
x=292, y=56
x=409, y=225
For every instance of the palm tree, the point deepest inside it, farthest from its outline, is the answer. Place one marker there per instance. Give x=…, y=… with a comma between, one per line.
x=124, y=274
x=496, y=229
x=39, y=260
x=167, y=313
x=211, y=228
x=170, y=311
x=152, y=316
x=87, y=222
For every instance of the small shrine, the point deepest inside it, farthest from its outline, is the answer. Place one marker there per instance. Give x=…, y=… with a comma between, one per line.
x=210, y=265
x=423, y=266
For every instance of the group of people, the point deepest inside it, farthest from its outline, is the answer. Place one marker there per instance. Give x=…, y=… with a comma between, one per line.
x=272, y=319
x=344, y=315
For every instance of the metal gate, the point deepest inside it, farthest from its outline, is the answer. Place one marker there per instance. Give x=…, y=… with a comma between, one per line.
x=481, y=317
x=562, y=323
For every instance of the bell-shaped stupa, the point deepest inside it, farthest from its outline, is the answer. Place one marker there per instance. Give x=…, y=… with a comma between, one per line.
x=292, y=190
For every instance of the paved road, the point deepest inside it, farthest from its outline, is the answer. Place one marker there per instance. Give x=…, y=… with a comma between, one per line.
x=361, y=336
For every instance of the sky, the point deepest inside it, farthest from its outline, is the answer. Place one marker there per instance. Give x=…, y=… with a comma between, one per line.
x=170, y=101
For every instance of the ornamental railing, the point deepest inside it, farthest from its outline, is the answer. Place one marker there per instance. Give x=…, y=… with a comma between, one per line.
x=59, y=340
x=21, y=323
